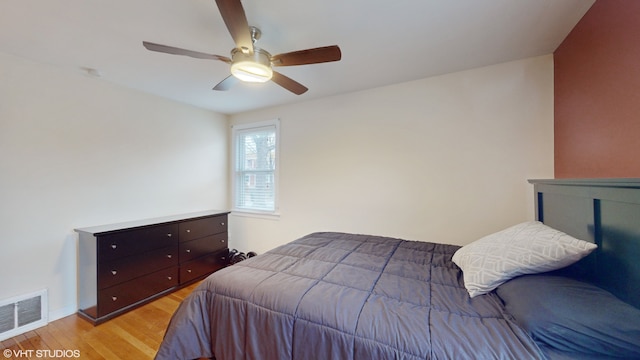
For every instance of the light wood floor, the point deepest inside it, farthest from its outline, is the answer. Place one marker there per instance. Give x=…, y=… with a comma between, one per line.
x=134, y=335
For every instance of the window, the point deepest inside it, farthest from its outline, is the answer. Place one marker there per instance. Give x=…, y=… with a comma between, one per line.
x=255, y=155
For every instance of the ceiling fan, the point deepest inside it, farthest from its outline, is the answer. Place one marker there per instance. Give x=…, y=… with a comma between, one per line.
x=250, y=63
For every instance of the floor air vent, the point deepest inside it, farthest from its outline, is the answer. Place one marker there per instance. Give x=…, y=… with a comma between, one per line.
x=22, y=313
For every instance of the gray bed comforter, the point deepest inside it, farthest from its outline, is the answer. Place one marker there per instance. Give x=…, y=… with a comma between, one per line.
x=344, y=296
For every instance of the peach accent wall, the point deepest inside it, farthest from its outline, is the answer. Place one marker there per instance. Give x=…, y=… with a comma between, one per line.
x=597, y=94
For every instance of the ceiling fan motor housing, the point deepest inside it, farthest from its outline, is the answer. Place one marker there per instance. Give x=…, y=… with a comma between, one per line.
x=253, y=67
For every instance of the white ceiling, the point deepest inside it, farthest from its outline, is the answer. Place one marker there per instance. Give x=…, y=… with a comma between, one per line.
x=382, y=42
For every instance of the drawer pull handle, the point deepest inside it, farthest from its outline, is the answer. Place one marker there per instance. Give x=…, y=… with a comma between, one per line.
x=189, y=271
x=222, y=241
x=169, y=278
x=113, y=246
x=113, y=272
x=169, y=234
x=169, y=256
x=188, y=230
x=114, y=298
x=222, y=223
x=188, y=250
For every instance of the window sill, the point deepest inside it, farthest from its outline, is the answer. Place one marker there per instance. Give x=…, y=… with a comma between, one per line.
x=257, y=215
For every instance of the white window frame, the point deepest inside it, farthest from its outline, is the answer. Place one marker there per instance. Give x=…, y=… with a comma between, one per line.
x=236, y=130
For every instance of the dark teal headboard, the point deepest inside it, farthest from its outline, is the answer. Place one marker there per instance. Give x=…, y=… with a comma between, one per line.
x=605, y=212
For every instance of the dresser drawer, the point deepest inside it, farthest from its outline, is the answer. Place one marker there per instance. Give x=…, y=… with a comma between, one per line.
x=203, y=266
x=195, y=229
x=130, y=292
x=203, y=246
x=121, y=270
x=131, y=242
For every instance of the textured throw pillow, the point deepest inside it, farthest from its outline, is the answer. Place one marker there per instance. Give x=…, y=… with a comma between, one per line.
x=527, y=248
x=573, y=316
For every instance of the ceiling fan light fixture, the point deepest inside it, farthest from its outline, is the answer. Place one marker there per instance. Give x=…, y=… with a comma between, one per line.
x=254, y=67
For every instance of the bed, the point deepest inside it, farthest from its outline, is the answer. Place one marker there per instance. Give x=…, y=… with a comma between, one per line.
x=565, y=286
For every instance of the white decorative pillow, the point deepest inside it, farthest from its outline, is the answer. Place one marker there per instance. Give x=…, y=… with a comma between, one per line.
x=527, y=248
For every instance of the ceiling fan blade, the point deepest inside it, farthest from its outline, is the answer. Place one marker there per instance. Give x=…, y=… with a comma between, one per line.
x=288, y=83
x=236, y=21
x=226, y=84
x=177, y=51
x=308, y=56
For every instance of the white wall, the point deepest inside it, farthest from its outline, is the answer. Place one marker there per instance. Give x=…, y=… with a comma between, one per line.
x=444, y=159
x=77, y=151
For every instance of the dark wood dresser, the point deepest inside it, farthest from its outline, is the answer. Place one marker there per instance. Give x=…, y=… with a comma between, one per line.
x=122, y=266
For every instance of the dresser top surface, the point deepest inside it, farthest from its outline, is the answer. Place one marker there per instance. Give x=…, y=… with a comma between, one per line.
x=94, y=230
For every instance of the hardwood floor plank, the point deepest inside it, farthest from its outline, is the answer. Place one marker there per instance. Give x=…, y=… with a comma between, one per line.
x=71, y=339
x=140, y=343
x=139, y=328
x=134, y=335
x=119, y=348
x=48, y=339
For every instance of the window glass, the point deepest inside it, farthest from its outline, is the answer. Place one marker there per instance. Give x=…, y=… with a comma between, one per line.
x=255, y=158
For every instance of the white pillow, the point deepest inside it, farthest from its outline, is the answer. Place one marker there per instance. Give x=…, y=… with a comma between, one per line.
x=527, y=248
